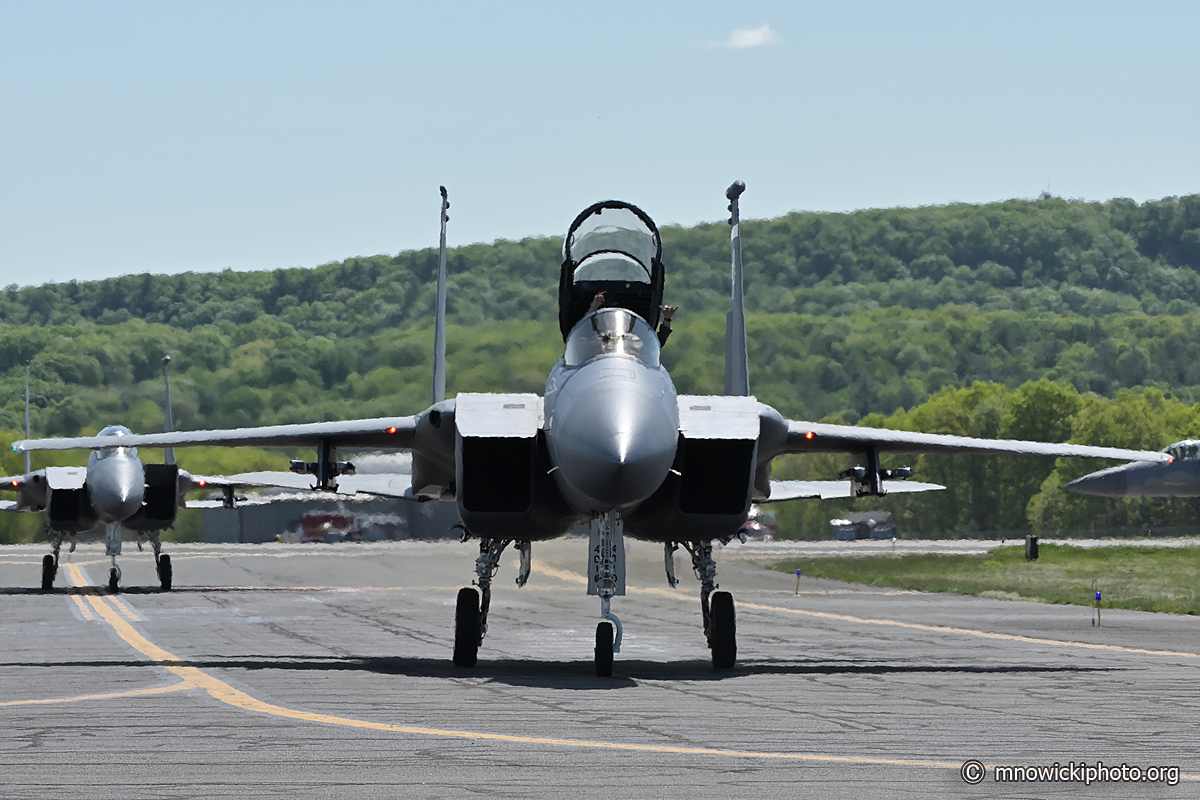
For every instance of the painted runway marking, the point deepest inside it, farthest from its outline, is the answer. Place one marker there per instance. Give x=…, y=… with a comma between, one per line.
x=124, y=609
x=194, y=677
x=566, y=575
x=83, y=609
x=174, y=687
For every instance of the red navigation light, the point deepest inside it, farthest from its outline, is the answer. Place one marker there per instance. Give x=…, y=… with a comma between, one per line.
x=809, y=435
x=203, y=483
x=16, y=483
x=392, y=429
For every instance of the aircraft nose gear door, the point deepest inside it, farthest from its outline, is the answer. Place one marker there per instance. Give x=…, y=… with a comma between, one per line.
x=606, y=578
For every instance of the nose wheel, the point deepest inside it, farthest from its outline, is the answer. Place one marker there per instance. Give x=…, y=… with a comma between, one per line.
x=604, y=650
x=114, y=578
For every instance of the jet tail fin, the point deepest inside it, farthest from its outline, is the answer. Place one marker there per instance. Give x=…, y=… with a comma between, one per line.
x=169, y=421
x=27, y=414
x=439, y=325
x=737, y=366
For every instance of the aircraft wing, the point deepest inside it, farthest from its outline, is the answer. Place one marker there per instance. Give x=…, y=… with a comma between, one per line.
x=818, y=437
x=379, y=433
x=827, y=490
x=9, y=505
x=385, y=485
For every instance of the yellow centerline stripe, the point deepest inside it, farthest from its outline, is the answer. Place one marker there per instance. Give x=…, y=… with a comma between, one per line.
x=194, y=677
x=174, y=687
x=566, y=575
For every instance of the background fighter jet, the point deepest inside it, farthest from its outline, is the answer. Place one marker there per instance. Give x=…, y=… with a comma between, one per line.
x=610, y=444
x=116, y=490
x=1178, y=476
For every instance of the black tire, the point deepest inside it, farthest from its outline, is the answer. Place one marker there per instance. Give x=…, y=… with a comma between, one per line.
x=113, y=579
x=164, y=572
x=466, y=628
x=604, y=650
x=49, y=569
x=724, y=631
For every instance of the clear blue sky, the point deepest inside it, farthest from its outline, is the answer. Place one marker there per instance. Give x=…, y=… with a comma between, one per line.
x=171, y=136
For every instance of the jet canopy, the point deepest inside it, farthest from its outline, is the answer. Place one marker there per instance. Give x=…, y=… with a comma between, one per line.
x=612, y=247
x=1188, y=448
x=114, y=431
x=611, y=330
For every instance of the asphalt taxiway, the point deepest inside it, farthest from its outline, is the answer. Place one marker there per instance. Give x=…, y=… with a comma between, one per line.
x=324, y=671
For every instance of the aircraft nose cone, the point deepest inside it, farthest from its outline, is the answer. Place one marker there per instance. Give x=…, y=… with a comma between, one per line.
x=116, y=487
x=616, y=447
x=1112, y=482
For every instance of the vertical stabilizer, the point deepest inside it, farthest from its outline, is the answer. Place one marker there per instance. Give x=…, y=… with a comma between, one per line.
x=737, y=362
x=439, y=325
x=169, y=422
x=27, y=415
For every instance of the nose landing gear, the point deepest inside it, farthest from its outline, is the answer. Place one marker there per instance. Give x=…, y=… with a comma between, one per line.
x=112, y=548
x=607, y=579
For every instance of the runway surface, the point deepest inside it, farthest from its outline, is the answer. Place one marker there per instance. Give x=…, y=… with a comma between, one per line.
x=324, y=671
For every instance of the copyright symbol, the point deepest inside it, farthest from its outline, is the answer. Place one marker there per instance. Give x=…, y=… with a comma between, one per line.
x=973, y=771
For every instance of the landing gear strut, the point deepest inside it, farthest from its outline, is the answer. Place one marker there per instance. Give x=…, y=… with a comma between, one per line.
x=471, y=612
x=162, y=562
x=50, y=562
x=607, y=549
x=720, y=627
x=112, y=548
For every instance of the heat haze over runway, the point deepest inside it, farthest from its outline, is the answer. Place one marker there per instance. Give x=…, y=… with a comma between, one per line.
x=314, y=670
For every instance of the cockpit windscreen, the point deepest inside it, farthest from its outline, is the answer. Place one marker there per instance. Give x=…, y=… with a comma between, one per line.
x=115, y=431
x=612, y=330
x=1188, y=448
x=613, y=244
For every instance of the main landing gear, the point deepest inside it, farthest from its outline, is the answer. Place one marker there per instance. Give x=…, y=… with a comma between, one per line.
x=162, y=561
x=471, y=610
x=720, y=625
x=50, y=561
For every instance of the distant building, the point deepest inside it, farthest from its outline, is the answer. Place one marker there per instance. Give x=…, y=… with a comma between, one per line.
x=865, y=525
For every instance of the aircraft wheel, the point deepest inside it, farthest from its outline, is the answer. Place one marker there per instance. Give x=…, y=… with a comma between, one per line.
x=466, y=628
x=48, y=571
x=164, y=572
x=604, y=650
x=113, y=578
x=724, y=631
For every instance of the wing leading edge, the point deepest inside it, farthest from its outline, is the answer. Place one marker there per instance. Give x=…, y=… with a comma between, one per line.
x=379, y=433
x=817, y=437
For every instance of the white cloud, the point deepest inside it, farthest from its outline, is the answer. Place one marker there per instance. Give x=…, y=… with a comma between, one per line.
x=751, y=37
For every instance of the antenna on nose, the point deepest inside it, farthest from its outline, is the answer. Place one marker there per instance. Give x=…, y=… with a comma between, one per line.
x=168, y=453
x=439, y=325
x=737, y=361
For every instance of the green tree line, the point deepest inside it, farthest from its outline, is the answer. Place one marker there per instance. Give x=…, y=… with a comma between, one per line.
x=852, y=316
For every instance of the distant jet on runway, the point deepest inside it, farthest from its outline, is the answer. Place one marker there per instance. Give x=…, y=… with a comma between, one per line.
x=610, y=445
x=1177, y=477
x=118, y=491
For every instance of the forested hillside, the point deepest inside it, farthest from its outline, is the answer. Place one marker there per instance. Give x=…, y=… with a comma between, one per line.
x=880, y=312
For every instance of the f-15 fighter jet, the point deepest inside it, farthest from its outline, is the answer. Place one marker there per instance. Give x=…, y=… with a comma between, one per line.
x=118, y=491
x=610, y=444
x=1178, y=476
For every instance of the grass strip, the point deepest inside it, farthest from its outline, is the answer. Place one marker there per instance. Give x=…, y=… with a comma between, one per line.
x=1139, y=578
